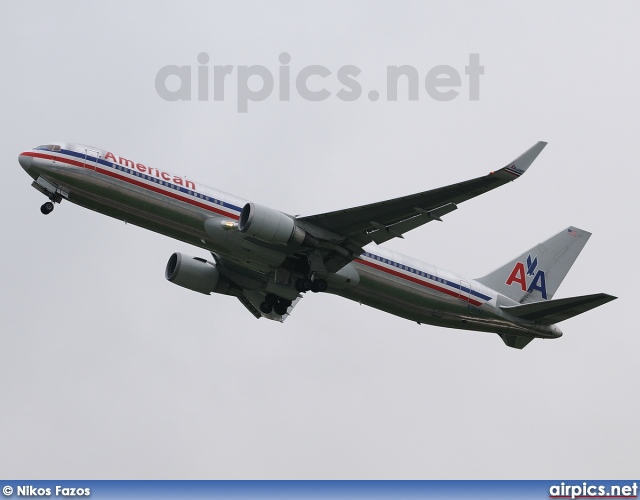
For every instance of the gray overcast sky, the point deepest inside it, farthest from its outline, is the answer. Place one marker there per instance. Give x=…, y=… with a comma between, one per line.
x=109, y=371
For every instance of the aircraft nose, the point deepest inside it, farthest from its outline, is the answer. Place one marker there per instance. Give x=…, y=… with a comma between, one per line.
x=25, y=161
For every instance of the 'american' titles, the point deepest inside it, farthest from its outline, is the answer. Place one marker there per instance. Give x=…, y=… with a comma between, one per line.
x=159, y=174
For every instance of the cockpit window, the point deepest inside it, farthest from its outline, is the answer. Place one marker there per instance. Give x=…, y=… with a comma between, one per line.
x=49, y=147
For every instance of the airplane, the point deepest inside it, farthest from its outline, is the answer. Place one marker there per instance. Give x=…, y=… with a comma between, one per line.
x=270, y=259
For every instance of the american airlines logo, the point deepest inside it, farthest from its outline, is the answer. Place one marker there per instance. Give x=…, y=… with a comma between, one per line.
x=516, y=169
x=520, y=275
x=154, y=172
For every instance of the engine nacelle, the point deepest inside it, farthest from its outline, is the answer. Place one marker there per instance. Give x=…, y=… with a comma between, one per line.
x=269, y=225
x=196, y=274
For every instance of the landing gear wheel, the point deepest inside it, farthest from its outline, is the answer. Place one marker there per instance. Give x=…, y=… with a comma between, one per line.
x=47, y=208
x=286, y=302
x=271, y=299
x=319, y=285
x=303, y=284
x=266, y=308
x=280, y=309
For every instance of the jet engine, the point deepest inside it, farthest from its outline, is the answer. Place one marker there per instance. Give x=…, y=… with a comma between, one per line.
x=197, y=274
x=269, y=225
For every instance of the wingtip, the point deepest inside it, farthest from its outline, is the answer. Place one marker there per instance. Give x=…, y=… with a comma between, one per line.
x=520, y=165
x=576, y=231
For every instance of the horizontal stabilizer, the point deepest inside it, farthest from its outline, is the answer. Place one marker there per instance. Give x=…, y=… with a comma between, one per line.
x=555, y=311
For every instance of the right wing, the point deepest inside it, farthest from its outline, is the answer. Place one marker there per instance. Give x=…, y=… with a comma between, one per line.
x=382, y=221
x=389, y=219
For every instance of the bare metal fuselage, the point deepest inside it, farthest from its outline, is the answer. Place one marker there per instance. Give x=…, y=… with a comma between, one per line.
x=178, y=208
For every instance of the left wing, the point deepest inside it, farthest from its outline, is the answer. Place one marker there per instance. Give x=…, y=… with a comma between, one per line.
x=251, y=288
x=384, y=220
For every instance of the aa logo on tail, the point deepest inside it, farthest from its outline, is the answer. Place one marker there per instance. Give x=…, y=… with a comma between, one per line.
x=519, y=275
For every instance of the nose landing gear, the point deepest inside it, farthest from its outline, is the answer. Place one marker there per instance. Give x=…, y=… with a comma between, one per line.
x=52, y=191
x=47, y=208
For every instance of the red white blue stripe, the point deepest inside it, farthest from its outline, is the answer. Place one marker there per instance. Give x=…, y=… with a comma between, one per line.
x=145, y=181
x=423, y=278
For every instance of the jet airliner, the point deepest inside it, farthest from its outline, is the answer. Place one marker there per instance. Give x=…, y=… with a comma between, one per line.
x=269, y=259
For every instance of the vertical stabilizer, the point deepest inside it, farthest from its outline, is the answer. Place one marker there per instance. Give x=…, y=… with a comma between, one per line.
x=537, y=273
